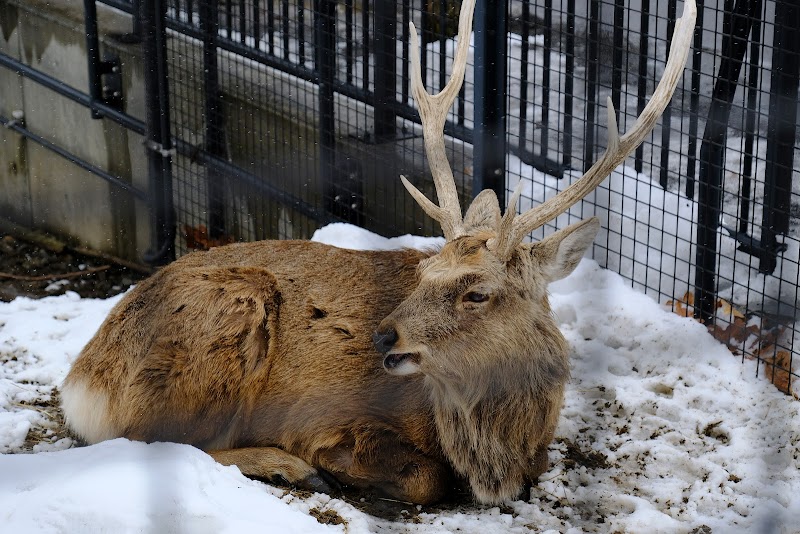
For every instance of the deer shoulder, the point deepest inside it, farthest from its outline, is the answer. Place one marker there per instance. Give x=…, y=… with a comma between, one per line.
x=404, y=372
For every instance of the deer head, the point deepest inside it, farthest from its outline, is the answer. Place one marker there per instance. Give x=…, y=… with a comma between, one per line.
x=483, y=298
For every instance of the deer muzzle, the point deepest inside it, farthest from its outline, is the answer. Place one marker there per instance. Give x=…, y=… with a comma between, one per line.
x=397, y=360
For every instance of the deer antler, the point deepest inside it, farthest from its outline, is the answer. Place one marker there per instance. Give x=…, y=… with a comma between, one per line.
x=513, y=229
x=433, y=110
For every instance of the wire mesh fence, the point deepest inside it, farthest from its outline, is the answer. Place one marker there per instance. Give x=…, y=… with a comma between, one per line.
x=307, y=104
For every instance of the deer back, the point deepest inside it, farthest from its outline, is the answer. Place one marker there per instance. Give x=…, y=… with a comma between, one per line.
x=265, y=330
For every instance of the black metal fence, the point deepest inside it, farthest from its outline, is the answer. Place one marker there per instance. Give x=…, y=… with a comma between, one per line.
x=268, y=118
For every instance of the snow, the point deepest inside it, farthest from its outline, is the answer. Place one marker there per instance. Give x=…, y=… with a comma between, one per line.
x=681, y=433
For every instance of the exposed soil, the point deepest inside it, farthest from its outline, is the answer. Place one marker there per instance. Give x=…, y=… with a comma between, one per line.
x=32, y=270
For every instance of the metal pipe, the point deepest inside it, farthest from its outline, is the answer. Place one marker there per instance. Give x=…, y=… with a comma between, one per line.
x=592, y=81
x=666, y=117
x=641, y=88
x=83, y=164
x=750, y=121
x=214, y=121
x=781, y=131
x=569, y=66
x=71, y=93
x=93, y=54
x=325, y=61
x=694, y=101
x=162, y=216
x=736, y=28
x=385, y=69
x=489, y=137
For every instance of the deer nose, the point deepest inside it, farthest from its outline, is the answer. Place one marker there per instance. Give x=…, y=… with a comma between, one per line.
x=384, y=341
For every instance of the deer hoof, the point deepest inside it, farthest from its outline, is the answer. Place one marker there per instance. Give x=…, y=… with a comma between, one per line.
x=320, y=482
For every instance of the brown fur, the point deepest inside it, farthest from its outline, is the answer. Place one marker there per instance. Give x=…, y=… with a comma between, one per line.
x=261, y=353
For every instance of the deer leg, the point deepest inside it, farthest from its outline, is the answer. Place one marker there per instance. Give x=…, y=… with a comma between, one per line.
x=541, y=463
x=270, y=463
x=393, y=468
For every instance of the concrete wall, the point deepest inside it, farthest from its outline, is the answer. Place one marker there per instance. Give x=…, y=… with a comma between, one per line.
x=40, y=189
x=271, y=131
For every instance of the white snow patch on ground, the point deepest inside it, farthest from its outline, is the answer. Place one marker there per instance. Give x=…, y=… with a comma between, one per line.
x=680, y=433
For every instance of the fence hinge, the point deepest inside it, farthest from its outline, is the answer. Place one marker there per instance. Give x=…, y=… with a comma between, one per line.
x=110, y=73
x=159, y=148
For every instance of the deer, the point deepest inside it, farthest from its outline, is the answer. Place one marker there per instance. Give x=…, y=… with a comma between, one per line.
x=408, y=373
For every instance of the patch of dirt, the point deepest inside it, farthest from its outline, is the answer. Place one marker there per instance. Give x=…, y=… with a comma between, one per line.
x=32, y=270
x=54, y=427
x=590, y=459
x=327, y=517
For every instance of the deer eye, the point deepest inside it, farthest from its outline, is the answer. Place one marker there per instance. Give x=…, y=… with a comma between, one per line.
x=475, y=296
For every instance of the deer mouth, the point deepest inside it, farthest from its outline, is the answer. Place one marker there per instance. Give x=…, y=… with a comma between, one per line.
x=401, y=363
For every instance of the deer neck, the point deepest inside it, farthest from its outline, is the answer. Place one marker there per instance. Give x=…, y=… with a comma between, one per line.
x=491, y=425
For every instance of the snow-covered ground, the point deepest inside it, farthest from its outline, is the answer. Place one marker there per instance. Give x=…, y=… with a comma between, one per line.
x=663, y=430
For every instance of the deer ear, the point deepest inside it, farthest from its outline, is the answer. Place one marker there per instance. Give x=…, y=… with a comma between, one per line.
x=560, y=253
x=483, y=213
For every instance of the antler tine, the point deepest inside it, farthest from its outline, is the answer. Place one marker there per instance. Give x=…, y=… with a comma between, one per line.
x=618, y=147
x=433, y=110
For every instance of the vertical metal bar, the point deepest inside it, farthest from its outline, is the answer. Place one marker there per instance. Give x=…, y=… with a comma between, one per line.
x=214, y=122
x=404, y=88
x=548, y=41
x=461, y=104
x=301, y=32
x=694, y=100
x=666, y=118
x=442, y=44
x=349, y=58
x=385, y=29
x=523, y=78
x=365, y=48
x=781, y=131
x=159, y=142
x=736, y=28
x=93, y=55
x=592, y=81
x=569, y=83
x=750, y=120
x=618, y=55
x=491, y=53
x=641, y=86
x=257, y=24
x=285, y=28
x=228, y=19
x=271, y=26
x=137, y=21
x=242, y=22
x=325, y=62
x=425, y=38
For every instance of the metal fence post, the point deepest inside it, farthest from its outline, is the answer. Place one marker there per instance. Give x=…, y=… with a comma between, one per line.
x=736, y=25
x=105, y=80
x=385, y=30
x=780, y=131
x=491, y=50
x=325, y=61
x=214, y=116
x=158, y=140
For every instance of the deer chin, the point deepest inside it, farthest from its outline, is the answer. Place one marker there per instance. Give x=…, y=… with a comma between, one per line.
x=401, y=363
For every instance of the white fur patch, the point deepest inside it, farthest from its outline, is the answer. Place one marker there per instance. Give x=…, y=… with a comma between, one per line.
x=86, y=411
x=406, y=367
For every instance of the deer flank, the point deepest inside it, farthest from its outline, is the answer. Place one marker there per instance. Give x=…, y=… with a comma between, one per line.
x=405, y=372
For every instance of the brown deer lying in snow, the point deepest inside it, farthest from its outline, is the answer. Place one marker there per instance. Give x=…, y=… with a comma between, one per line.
x=400, y=371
